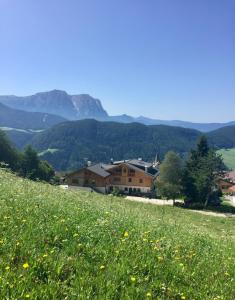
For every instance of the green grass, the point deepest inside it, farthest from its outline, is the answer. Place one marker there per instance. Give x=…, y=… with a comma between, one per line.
x=57, y=244
x=228, y=157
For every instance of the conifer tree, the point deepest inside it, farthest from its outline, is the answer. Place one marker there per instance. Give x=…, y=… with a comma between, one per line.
x=200, y=174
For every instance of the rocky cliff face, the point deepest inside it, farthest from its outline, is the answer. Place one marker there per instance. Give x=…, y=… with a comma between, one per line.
x=87, y=106
x=59, y=103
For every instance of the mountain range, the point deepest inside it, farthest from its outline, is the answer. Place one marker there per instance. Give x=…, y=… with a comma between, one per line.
x=83, y=106
x=71, y=107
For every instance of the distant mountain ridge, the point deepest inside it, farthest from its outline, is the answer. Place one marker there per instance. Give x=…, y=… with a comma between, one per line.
x=203, y=127
x=83, y=106
x=58, y=102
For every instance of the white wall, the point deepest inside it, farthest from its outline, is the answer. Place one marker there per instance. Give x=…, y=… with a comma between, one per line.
x=142, y=189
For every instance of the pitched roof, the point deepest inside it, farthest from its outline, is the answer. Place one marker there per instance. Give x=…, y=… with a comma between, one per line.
x=133, y=167
x=103, y=169
x=98, y=169
x=139, y=163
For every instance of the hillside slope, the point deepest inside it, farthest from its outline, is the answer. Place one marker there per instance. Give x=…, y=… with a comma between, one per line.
x=101, y=247
x=228, y=156
x=100, y=141
x=14, y=118
x=223, y=137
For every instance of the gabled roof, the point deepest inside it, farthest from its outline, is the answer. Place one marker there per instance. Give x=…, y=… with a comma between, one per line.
x=139, y=163
x=135, y=164
x=99, y=170
x=133, y=167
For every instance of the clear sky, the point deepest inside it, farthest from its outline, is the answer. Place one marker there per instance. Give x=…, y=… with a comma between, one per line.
x=166, y=59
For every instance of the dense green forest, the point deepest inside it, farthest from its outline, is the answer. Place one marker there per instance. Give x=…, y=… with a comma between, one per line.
x=223, y=137
x=75, y=142
x=79, y=141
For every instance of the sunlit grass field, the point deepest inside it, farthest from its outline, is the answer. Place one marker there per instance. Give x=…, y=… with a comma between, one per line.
x=57, y=244
x=228, y=157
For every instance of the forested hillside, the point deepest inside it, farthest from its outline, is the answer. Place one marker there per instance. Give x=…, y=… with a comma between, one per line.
x=74, y=142
x=83, y=140
x=14, y=118
x=223, y=137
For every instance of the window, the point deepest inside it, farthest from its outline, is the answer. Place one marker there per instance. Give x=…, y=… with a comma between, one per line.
x=129, y=179
x=116, y=179
x=139, y=190
x=75, y=180
x=131, y=172
x=124, y=170
x=141, y=180
x=118, y=170
x=126, y=189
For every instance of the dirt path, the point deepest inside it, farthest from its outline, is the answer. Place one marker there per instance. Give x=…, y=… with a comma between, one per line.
x=170, y=203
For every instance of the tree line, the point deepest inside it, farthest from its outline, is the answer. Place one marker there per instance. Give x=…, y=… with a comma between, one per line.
x=26, y=164
x=194, y=180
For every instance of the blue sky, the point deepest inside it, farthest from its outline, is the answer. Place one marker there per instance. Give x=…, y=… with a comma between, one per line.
x=166, y=59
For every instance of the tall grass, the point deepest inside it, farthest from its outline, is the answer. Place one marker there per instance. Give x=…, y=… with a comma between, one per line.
x=57, y=244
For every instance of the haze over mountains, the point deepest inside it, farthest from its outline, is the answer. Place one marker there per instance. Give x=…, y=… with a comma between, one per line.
x=68, y=144
x=19, y=119
x=71, y=107
x=76, y=107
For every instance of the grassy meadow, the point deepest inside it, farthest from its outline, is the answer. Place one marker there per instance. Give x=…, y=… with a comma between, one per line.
x=228, y=157
x=57, y=244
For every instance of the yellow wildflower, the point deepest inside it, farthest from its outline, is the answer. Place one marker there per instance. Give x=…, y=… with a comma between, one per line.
x=149, y=295
x=7, y=268
x=160, y=258
x=126, y=234
x=102, y=267
x=27, y=296
x=133, y=279
x=181, y=264
x=25, y=265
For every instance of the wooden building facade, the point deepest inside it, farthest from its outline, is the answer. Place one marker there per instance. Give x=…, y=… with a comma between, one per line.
x=129, y=177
